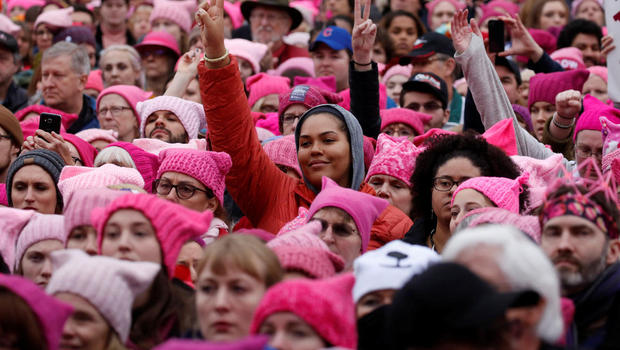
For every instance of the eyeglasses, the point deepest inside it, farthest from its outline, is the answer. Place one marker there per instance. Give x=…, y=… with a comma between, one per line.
x=77, y=160
x=428, y=106
x=290, y=118
x=183, y=190
x=587, y=153
x=445, y=184
x=115, y=110
x=150, y=52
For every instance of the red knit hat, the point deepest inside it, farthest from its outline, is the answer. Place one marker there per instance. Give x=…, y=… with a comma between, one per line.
x=173, y=223
x=544, y=87
x=261, y=84
x=326, y=305
x=415, y=120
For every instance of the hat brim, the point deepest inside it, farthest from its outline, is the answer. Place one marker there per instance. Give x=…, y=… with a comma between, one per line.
x=416, y=55
x=140, y=47
x=334, y=45
x=489, y=308
x=420, y=86
x=248, y=6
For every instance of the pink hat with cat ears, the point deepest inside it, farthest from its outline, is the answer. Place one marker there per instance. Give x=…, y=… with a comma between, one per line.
x=503, y=192
x=394, y=157
x=611, y=146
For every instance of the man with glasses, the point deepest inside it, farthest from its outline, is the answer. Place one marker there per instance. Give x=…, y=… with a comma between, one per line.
x=427, y=93
x=11, y=139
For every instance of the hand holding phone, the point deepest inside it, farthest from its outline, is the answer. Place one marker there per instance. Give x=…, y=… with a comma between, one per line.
x=496, y=36
x=50, y=122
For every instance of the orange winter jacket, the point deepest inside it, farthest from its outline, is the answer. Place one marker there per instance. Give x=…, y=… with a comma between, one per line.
x=267, y=196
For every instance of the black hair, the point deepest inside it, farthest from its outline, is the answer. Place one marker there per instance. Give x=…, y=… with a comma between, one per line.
x=387, y=19
x=576, y=27
x=82, y=8
x=384, y=39
x=332, y=21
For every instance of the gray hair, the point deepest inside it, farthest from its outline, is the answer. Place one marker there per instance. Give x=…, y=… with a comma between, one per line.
x=523, y=264
x=136, y=61
x=80, y=63
x=114, y=155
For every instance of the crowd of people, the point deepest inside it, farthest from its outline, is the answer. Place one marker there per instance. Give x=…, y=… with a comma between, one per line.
x=305, y=175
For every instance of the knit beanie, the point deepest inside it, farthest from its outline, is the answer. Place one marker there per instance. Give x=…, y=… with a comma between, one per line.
x=396, y=70
x=307, y=96
x=501, y=191
x=91, y=135
x=544, y=87
x=258, y=342
x=25, y=4
x=51, y=313
x=12, y=221
x=282, y=151
x=575, y=6
x=79, y=35
x=190, y=114
x=10, y=124
x=49, y=161
x=66, y=119
x=173, y=223
x=247, y=50
x=599, y=71
x=303, y=250
x=569, y=58
x=86, y=151
x=326, y=305
x=611, y=143
x=542, y=172
x=264, y=134
x=171, y=11
x=8, y=26
x=131, y=94
x=155, y=146
x=593, y=109
x=261, y=84
x=78, y=178
x=525, y=114
x=145, y=162
x=415, y=120
x=60, y=18
x=234, y=13
x=528, y=224
x=394, y=157
x=210, y=168
x=40, y=227
x=109, y=284
x=362, y=207
x=458, y=5
x=79, y=205
x=390, y=267
x=327, y=83
x=303, y=64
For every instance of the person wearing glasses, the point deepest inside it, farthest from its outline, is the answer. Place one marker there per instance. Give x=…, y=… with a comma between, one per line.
x=159, y=52
x=427, y=93
x=116, y=110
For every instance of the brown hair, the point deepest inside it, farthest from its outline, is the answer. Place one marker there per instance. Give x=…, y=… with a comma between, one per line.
x=18, y=323
x=532, y=10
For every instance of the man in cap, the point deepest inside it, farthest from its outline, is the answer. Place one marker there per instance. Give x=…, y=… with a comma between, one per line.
x=12, y=96
x=11, y=139
x=331, y=52
x=427, y=93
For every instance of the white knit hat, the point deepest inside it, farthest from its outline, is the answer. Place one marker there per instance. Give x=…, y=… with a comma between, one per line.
x=41, y=227
x=191, y=114
x=111, y=285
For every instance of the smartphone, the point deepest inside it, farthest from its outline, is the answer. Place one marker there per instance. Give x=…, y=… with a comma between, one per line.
x=496, y=36
x=50, y=122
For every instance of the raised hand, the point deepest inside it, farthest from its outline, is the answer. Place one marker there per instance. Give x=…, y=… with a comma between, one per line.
x=462, y=31
x=568, y=104
x=522, y=42
x=210, y=19
x=607, y=46
x=364, y=33
x=50, y=141
x=188, y=64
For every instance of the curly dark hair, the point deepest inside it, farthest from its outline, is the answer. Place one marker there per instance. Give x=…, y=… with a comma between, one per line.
x=576, y=27
x=491, y=161
x=387, y=19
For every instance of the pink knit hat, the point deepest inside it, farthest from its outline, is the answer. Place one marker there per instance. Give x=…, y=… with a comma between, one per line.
x=173, y=223
x=131, y=94
x=247, y=343
x=248, y=50
x=396, y=70
x=90, y=135
x=593, y=109
x=8, y=26
x=261, y=85
x=39, y=228
x=86, y=151
x=569, y=58
x=544, y=87
x=325, y=304
x=542, y=172
x=611, y=143
x=95, y=81
x=362, y=207
x=394, y=157
x=599, y=71
x=77, y=178
x=306, y=95
x=171, y=11
x=267, y=121
x=300, y=220
x=52, y=314
x=528, y=224
x=282, y=151
x=66, y=118
x=25, y=4
x=145, y=162
x=12, y=221
x=234, y=13
x=161, y=39
x=346, y=98
x=303, y=250
x=80, y=204
x=415, y=120
x=327, y=83
x=575, y=6
x=304, y=64
x=210, y=168
x=60, y=18
x=503, y=192
x=458, y=5
x=155, y=146
x=190, y=114
x=110, y=285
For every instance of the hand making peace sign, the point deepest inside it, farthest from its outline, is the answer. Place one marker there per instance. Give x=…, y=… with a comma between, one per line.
x=210, y=19
x=363, y=37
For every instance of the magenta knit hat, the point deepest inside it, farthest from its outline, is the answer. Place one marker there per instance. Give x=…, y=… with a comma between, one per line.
x=171, y=11
x=325, y=304
x=544, y=87
x=190, y=114
x=362, y=207
x=80, y=204
x=110, y=285
x=502, y=191
x=415, y=120
x=161, y=39
x=593, y=109
x=210, y=168
x=77, y=178
x=542, y=172
x=248, y=50
x=569, y=58
x=306, y=95
x=599, y=71
x=145, y=162
x=304, y=64
x=234, y=13
x=39, y=228
x=327, y=83
x=611, y=143
x=247, y=343
x=261, y=85
x=12, y=221
x=60, y=18
x=282, y=151
x=94, y=81
x=86, y=151
x=396, y=70
x=131, y=94
x=458, y=5
x=528, y=224
x=303, y=250
x=394, y=157
x=90, y=135
x=173, y=223
x=66, y=118
x=52, y=314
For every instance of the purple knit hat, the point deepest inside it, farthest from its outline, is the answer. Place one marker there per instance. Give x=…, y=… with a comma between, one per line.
x=503, y=192
x=282, y=151
x=248, y=50
x=191, y=114
x=146, y=163
x=80, y=204
x=171, y=11
x=52, y=314
x=394, y=157
x=415, y=120
x=593, y=109
x=544, y=87
x=132, y=94
x=210, y=168
x=362, y=207
x=525, y=114
x=39, y=228
x=261, y=85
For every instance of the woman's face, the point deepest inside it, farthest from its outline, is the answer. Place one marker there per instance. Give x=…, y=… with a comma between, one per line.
x=267, y=104
x=290, y=118
x=33, y=188
x=166, y=25
x=456, y=170
x=540, y=112
x=156, y=64
x=198, y=202
x=403, y=33
x=288, y=331
x=117, y=69
x=86, y=328
x=225, y=303
x=394, y=86
x=324, y=150
x=128, y=235
x=378, y=53
x=442, y=14
x=83, y=237
x=592, y=11
x=373, y=300
x=340, y=234
x=114, y=113
x=245, y=68
x=400, y=130
x=190, y=256
x=553, y=14
x=597, y=87
x=464, y=202
x=140, y=21
x=36, y=264
x=43, y=37
x=394, y=190
x=113, y=12
x=339, y=7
